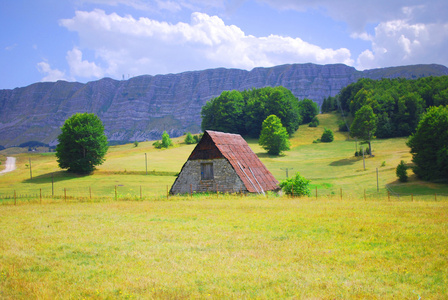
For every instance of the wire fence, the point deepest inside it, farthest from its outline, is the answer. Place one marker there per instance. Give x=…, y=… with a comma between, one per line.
x=120, y=193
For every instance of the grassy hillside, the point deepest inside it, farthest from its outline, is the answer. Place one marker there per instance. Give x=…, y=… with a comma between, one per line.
x=330, y=167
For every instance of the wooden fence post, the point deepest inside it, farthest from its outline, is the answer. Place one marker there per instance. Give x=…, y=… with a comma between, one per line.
x=90, y=192
x=412, y=197
x=388, y=195
x=435, y=196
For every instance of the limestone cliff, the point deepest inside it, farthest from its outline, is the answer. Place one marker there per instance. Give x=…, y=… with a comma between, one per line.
x=142, y=107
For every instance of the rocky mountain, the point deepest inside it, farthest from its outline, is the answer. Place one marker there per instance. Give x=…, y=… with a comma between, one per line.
x=142, y=107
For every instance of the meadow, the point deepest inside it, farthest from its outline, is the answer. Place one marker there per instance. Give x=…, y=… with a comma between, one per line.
x=331, y=167
x=350, y=241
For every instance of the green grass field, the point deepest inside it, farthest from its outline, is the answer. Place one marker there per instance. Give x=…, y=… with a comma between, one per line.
x=225, y=248
x=338, y=245
x=330, y=167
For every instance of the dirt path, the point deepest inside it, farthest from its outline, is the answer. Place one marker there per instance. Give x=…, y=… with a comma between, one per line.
x=10, y=165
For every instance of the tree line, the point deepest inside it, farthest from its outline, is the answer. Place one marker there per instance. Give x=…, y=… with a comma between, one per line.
x=243, y=112
x=398, y=104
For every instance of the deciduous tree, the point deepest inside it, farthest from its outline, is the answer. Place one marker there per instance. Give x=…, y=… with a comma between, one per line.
x=274, y=137
x=364, y=125
x=308, y=110
x=82, y=143
x=429, y=145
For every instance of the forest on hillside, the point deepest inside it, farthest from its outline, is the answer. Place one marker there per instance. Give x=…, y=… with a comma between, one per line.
x=397, y=103
x=244, y=112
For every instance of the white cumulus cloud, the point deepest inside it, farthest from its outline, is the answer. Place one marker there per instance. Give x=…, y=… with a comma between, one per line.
x=406, y=31
x=399, y=42
x=50, y=74
x=126, y=45
x=82, y=68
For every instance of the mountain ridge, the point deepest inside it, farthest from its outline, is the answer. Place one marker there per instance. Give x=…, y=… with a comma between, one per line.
x=142, y=107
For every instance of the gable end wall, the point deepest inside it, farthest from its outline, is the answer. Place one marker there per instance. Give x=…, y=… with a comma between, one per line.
x=225, y=178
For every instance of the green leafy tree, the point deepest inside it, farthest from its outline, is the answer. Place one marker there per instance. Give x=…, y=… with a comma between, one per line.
x=327, y=136
x=166, y=141
x=429, y=145
x=364, y=125
x=136, y=144
x=82, y=143
x=274, y=137
x=297, y=186
x=402, y=172
x=244, y=112
x=189, y=139
x=224, y=113
x=308, y=110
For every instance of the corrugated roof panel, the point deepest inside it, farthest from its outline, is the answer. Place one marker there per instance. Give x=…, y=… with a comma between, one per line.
x=236, y=150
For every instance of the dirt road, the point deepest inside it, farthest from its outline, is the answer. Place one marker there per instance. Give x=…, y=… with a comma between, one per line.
x=10, y=165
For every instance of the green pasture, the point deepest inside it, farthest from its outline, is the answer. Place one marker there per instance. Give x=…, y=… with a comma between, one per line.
x=332, y=168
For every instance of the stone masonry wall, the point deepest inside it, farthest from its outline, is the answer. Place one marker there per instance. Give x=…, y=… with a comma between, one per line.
x=225, y=178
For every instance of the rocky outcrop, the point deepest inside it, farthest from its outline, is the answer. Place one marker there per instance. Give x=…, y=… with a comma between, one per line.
x=142, y=107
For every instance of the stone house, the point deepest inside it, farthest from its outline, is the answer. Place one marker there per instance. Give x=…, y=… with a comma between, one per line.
x=223, y=162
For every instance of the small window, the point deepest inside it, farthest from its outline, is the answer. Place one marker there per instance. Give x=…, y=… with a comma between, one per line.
x=207, y=171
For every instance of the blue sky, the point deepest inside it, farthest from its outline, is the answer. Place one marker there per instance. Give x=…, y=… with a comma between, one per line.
x=85, y=40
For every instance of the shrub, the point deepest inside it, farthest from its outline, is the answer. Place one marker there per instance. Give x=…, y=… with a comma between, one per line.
x=366, y=152
x=314, y=122
x=189, y=139
x=166, y=141
x=136, y=144
x=402, y=172
x=297, y=186
x=198, y=137
x=327, y=136
x=343, y=127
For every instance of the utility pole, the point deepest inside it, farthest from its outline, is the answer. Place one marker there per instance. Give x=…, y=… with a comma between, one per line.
x=363, y=159
x=377, y=184
x=286, y=169
x=31, y=172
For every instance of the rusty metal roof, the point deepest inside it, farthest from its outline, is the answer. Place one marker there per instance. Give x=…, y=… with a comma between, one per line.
x=255, y=176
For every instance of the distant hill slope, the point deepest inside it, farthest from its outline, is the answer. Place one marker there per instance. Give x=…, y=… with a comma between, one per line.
x=142, y=107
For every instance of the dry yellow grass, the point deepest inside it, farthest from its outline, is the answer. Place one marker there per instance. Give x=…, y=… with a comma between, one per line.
x=228, y=247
